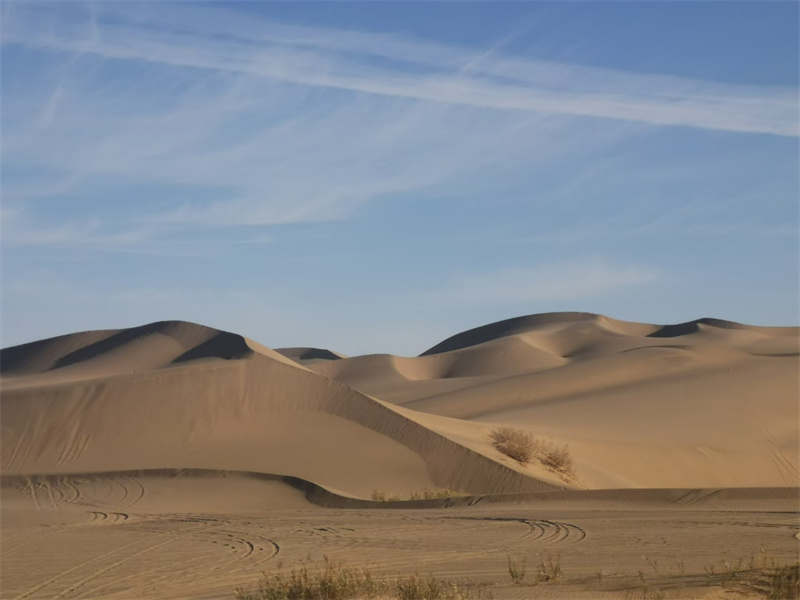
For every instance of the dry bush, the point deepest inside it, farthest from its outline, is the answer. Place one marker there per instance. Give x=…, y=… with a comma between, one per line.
x=334, y=581
x=415, y=587
x=557, y=458
x=427, y=494
x=522, y=447
x=514, y=443
x=330, y=581
x=785, y=583
x=549, y=570
x=381, y=496
x=437, y=494
x=516, y=570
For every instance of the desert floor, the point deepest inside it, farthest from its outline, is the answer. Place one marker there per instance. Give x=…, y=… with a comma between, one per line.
x=202, y=537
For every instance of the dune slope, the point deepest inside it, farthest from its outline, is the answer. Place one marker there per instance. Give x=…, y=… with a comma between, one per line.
x=708, y=402
x=179, y=395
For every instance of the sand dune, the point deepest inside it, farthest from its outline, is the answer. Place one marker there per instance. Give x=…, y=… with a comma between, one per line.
x=707, y=402
x=174, y=460
x=178, y=395
x=99, y=354
x=306, y=355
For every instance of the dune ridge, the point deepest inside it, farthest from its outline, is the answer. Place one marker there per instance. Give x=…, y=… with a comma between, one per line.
x=708, y=403
x=107, y=353
x=518, y=325
x=303, y=355
x=256, y=409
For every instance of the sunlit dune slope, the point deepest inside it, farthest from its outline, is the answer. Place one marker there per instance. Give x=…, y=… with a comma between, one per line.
x=179, y=395
x=704, y=403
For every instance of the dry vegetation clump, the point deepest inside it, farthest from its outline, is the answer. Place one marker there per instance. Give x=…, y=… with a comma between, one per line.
x=557, y=458
x=514, y=443
x=516, y=570
x=329, y=581
x=415, y=587
x=427, y=494
x=335, y=581
x=381, y=496
x=436, y=494
x=523, y=446
x=785, y=583
x=762, y=574
x=549, y=570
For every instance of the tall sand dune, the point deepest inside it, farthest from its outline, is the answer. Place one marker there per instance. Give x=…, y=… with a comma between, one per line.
x=699, y=404
x=708, y=402
x=179, y=395
x=174, y=460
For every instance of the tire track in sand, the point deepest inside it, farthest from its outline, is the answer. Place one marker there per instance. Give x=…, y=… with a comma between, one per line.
x=104, y=570
x=85, y=563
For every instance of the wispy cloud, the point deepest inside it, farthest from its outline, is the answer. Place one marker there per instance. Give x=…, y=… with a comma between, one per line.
x=671, y=225
x=322, y=58
x=266, y=123
x=17, y=230
x=566, y=280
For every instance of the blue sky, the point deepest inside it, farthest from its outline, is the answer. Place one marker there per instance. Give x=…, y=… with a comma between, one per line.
x=374, y=177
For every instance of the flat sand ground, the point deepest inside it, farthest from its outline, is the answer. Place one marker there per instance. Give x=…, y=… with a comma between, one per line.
x=202, y=537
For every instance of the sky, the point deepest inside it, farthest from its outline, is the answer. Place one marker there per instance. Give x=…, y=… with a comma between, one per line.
x=377, y=176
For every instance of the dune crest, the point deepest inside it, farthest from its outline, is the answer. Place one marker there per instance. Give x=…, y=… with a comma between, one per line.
x=707, y=402
x=304, y=355
x=98, y=354
x=178, y=395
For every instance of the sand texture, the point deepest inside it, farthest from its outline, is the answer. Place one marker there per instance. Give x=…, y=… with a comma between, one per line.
x=174, y=460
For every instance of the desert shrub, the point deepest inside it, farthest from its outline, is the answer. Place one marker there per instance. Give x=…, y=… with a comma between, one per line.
x=514, y=443
x=330, y=581
x=334, y=581
x=426, y=494
x=557, y=458
x=522, y=447
x=784, y=583
x=415, y=587
x=439, y=493
x=381, y=496
x=549, y=570
x=516, y=570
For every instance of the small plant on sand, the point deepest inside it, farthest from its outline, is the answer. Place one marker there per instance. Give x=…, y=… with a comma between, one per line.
x=335, y=581
x=516, y=570
x=730, y=571
x=330, y=581
x=514, y=443
x=549, y=570
x=415, y=587
x=681, y=565
x=784, y=583
x=645, y=592
x=381, y=496
x=557, y=458
x=523, y=447
x=653, y=564
x=437, y=494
